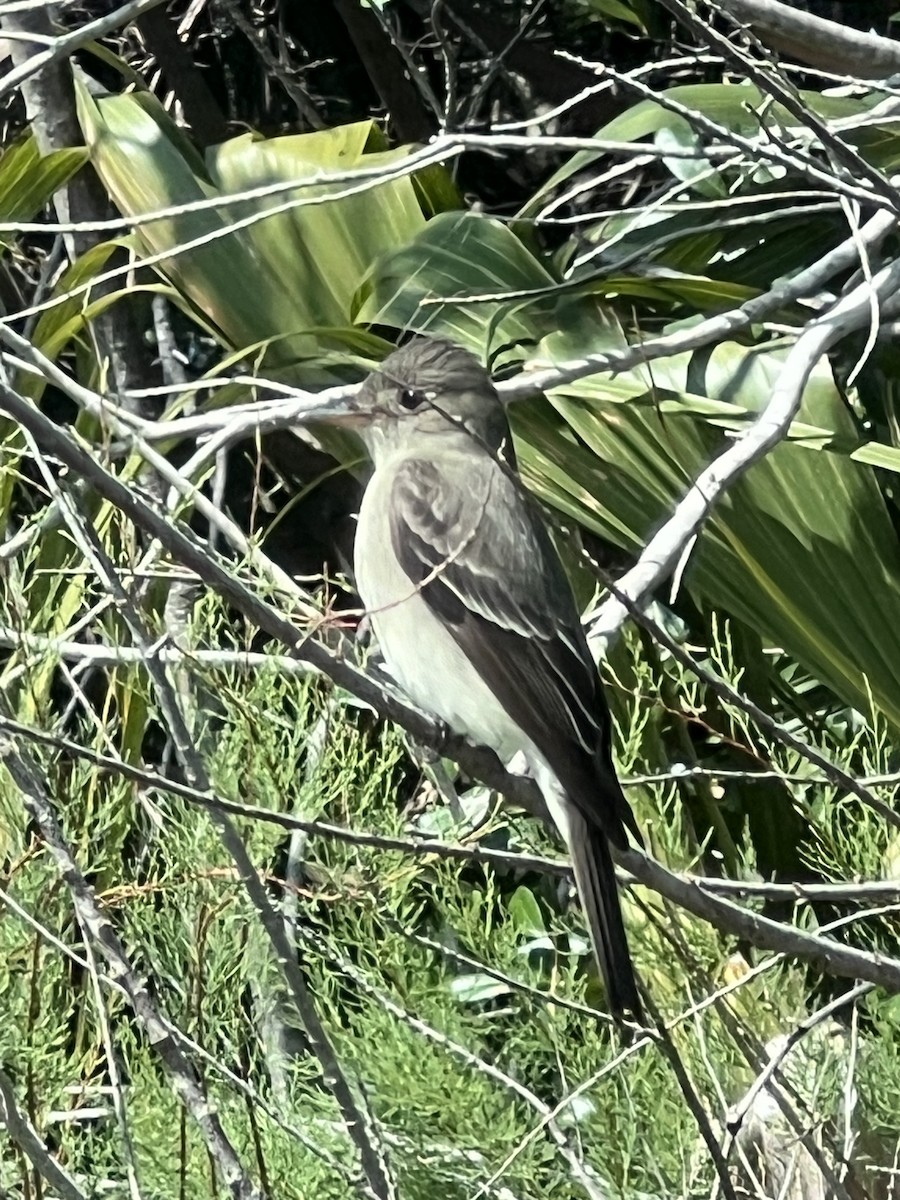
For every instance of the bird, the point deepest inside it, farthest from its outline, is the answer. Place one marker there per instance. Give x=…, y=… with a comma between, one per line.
x=475, y=617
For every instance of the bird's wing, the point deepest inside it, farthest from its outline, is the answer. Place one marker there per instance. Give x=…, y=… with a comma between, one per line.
x=467, y=537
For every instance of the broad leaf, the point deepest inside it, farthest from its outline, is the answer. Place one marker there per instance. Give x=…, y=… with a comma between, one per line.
x=802, y=549
x=741, y=108
x=251, y=275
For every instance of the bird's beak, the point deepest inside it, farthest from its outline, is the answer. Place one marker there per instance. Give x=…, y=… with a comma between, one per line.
x=346, y=412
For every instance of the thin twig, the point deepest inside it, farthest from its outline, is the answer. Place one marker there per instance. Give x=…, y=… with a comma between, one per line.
x=581, y=1172
x=32, y=1146
x=180, y=1070
x=507, y=860
x=67, y=43
x=357, y=1121
x=739, y=1111
x=662, y=553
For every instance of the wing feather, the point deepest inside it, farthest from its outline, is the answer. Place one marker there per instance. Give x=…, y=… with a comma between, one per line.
x=486, y=566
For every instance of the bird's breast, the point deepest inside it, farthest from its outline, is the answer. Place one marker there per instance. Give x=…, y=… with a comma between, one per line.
x=419, y=651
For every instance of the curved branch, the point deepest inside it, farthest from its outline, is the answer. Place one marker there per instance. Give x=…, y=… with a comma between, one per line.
x=815, y=40
x=667, y=548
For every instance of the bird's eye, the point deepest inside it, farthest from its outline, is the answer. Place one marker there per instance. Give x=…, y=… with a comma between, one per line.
x=410, y=399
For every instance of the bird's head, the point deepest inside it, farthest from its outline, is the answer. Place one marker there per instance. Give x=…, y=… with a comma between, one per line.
x=429, y=388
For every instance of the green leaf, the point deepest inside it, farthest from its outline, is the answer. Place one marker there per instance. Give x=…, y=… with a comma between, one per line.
x=289, y=272
x=29, y=179
x=455, y=255
x=525, y=913
x=477, y=989
x=616, y=10
x=742, y=108
x=802, y=548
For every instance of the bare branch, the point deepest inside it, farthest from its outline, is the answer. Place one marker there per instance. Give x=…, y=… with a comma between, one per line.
x=181, y=1072
x=66, y=44
x=816, y=40
x=858, y=892
x=30, y=1143
x=664, y=550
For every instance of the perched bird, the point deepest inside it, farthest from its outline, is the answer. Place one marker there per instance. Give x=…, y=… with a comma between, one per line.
x=475, y=616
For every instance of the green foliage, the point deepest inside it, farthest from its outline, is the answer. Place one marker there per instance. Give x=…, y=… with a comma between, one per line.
x=28, y=178
x=453, y=991
x=299, y=252
x=419, y=1026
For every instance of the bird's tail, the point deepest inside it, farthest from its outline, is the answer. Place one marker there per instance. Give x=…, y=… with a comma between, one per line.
x=599, y=895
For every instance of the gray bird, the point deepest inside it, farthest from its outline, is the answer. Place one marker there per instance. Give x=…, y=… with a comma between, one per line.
x=475, y=616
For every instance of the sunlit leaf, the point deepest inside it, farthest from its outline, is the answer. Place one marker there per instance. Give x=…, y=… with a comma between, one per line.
x=255, y=276
x=29, y=179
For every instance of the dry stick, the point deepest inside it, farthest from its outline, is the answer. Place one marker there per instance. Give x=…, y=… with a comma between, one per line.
x=243, y=420
x=640, y=257
x=102, y=655
x=870, y=891
x=495, y=65
x=738, y=1114
x=582, y=1173
x=447, y=146
x=664, y=551
x=515, y=985
x=692, y=62
x=761, y=931
x=67, y=43
x=805, y=283
x=191, y=761
x=755, y=148
x=478, y=761
x=807, y=893
x=678, y=774
x=181, y=1071
x=747, y=1044
x=113, y=1073
x=29, y=1142
x=769, y=83
x=676, y=200
x=503, y=859
x=692, y=1099
x=676, y=65
x=816, y=40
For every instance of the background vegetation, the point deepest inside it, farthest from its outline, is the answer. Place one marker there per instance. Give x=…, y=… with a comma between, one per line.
x=264, y=930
